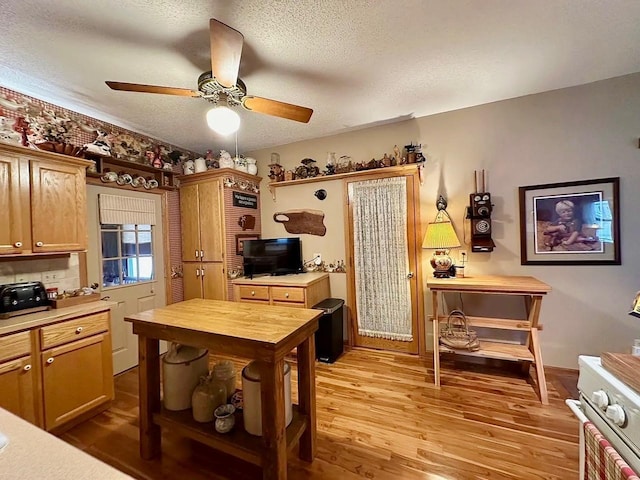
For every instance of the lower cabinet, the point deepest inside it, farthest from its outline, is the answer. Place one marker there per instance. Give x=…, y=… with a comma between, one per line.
x=18, y=387
x=77, y=377
x=303, y=290
x=56, y=373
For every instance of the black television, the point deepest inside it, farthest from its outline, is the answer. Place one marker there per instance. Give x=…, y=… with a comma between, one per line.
x=273, y=256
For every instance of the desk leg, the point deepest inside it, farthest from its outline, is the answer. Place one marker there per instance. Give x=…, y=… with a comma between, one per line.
x=537, y=355
x=274, y=433
x=149, y=384
x=436, y=338
x=307, y=396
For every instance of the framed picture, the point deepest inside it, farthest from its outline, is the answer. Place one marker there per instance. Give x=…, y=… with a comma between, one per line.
x=241, y=238
x=571, y=223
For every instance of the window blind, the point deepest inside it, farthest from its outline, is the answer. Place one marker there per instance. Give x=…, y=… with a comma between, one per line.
x=120, y=210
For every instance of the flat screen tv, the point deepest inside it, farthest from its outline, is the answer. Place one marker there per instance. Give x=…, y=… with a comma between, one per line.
x=273, y=256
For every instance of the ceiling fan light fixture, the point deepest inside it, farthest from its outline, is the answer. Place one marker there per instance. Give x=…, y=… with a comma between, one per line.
x=223, y=120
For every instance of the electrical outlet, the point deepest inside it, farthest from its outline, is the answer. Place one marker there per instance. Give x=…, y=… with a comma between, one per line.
x=317, y=258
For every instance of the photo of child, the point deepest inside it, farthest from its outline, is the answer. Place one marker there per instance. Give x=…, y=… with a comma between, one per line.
x=562, y=224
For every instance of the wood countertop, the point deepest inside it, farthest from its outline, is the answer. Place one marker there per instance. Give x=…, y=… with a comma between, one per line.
x=230, y=327
x=491, y=284
x=299, y=279
x=40, y=319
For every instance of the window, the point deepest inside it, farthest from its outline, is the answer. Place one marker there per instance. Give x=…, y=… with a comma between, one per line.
x=127, y=254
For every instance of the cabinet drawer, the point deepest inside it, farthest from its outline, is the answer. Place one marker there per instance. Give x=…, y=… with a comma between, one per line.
x=287, y=294
x=74, y=329
x=13, y=346
x=254, y=292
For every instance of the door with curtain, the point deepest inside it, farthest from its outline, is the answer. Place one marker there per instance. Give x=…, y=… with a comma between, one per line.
x=125, y=258
x=383, y=278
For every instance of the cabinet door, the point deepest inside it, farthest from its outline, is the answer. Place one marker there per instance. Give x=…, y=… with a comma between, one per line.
x=190, y=222
x=77, y=377
x=191, y=280
x=17, y=379
x=211, y=222
x=214, y=281
x=11, y=240
x=58, y=207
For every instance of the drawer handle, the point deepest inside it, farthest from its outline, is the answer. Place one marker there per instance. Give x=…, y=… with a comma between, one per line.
x=17, y=244
x=39, y=244
x=50, y=360
x=79, y=330
x=253, y=294
x=26, y=368
x=286, y=295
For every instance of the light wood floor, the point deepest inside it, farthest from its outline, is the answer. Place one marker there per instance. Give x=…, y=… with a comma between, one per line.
x=379, y=417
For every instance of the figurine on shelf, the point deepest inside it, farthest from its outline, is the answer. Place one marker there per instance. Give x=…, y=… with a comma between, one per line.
x=101, y=145
x=276, y=174
x=157, y=157
x=225, y=159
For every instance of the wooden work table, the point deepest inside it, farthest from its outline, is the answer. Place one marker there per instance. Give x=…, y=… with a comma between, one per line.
x=528, y=287
x=253, y=331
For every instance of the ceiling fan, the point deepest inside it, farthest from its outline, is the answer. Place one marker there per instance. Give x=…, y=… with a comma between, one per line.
x=222, y=82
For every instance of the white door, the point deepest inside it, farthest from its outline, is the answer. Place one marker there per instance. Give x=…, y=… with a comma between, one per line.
x=126, y=261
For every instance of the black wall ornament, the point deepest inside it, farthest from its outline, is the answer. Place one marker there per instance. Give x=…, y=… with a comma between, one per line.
x=320, y=194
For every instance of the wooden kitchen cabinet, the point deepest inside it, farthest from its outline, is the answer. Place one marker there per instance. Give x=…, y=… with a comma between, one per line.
x=57, y=374
x=203, y=280
x=303, y=290
x=208, y=235
x=18, y=380
x=43, y=202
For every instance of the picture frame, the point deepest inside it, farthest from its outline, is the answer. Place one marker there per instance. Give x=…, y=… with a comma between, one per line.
x=241, y=238
x=570, y=223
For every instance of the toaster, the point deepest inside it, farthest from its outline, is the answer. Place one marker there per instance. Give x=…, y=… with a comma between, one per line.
x=15, y=297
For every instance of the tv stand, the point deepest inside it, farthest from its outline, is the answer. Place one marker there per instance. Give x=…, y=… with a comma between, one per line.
x=303, y=290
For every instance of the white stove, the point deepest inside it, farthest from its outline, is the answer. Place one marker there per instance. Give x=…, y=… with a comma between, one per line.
x=612, y=406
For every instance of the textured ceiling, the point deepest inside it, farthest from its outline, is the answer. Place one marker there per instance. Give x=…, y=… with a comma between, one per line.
x=357, y=63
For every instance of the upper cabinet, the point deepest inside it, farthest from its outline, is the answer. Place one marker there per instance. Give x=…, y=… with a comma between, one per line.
x=202, y=224
x=43, y=202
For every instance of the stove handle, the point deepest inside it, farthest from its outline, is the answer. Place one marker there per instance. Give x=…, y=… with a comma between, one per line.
x=576, y=408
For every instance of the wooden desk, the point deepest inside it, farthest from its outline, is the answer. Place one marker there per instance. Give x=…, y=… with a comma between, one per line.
x=530, y=288
x=261, y=332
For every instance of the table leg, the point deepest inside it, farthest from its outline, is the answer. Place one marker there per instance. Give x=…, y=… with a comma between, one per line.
x=274, y=433
x=149, y=385
x=307, y=396
x=436, y=337
x=537, y=355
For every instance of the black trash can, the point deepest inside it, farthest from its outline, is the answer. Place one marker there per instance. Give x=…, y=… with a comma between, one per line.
x=329, y=341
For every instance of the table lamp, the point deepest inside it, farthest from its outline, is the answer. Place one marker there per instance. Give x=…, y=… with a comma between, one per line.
x=440, y=237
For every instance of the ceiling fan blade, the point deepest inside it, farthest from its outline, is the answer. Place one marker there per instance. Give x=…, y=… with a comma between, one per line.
x=226, y=48
x=137, y=87
x=277, y=109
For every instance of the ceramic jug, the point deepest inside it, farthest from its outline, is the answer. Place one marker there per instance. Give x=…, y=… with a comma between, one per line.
x=188, y=167
x=252, y=168
x=200, y=165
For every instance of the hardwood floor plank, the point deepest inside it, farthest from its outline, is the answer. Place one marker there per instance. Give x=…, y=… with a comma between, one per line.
x=379, y=417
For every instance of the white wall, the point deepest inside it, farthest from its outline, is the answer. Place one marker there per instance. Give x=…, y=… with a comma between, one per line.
x=584, y=132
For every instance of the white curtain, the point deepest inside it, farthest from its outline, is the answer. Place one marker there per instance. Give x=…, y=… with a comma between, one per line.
x=121, y=210
x=383, y=297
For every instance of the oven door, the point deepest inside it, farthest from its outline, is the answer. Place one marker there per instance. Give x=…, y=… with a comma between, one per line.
x=626, y=451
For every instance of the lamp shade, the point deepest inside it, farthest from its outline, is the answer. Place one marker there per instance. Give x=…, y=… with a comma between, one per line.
x=223, y=120
x=440, y=235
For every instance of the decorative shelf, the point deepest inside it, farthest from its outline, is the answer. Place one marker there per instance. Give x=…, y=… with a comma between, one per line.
x=351, y=175
x=166, y=178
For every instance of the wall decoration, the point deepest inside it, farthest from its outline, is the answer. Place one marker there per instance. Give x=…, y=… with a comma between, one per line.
x=245, y=200
x=243, y=237
x=247, y=222
x=571, y=223
x=302, y=221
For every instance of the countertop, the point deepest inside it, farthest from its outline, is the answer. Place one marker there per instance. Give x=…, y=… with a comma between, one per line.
x=34, y=453
x=39, y=319
x=298, y=279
